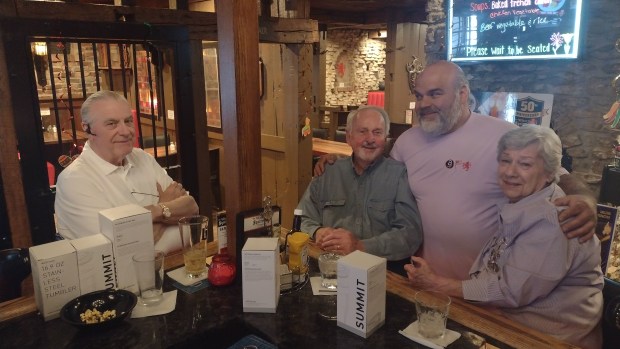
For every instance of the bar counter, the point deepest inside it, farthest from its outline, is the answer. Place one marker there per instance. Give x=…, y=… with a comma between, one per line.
x=213, y=317
x=323, y=146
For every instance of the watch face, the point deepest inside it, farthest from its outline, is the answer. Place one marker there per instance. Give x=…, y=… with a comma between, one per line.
x=165, y=211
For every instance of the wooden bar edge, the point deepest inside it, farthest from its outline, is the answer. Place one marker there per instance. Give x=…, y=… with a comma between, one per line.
x=25, y=305
x=489, y=323
x=482, y=320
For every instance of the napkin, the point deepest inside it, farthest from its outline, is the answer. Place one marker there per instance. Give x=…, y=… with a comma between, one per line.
x=319, y=290
x=412, y=333
x=167, y=305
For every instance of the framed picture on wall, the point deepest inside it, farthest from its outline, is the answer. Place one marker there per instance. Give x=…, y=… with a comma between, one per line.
x=212, y=84
x=344, y=72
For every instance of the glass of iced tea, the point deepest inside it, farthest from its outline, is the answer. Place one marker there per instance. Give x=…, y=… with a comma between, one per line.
x=193, y=231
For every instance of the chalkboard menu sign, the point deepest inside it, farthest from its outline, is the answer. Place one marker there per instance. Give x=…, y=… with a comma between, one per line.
x=481, y=30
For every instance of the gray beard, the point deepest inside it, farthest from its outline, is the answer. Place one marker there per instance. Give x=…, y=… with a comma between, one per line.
x=445, y=122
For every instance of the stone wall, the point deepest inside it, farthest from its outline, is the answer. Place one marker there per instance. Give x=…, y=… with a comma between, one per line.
x=367, y=63
x=75, y=79
x=581, y=88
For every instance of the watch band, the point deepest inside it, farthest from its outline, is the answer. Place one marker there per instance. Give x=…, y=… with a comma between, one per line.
x=165, y=211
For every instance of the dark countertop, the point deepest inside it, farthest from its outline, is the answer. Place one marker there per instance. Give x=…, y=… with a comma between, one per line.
x=213, y=317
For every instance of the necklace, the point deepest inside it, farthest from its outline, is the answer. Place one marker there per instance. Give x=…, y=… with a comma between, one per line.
x=497, y=247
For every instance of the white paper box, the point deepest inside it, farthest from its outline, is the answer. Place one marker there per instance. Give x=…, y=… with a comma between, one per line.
x=260, y=273
x=130, y=228
x=55, y=276
x=95, y=263
x=361, y=293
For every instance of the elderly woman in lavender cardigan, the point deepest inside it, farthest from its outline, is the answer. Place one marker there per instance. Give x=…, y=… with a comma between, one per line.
x=529, y=270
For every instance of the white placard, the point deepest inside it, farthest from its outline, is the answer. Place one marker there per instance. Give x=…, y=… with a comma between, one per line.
x=408, y=116
x=171, y=114
x=258, y=222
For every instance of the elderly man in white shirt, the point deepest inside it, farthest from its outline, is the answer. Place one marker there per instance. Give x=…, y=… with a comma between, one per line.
x=110, y=172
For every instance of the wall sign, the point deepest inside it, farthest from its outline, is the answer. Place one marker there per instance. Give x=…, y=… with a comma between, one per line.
x=519, y=108
x=513, y=29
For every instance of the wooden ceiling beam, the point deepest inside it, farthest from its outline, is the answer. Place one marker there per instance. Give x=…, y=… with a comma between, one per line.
x=288, y=30
x=379, y=17
x=104, y=13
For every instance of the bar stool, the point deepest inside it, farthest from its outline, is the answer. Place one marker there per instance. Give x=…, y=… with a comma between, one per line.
x=611, y=314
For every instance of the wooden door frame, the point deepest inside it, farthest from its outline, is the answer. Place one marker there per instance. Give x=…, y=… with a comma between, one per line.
x=35, y=188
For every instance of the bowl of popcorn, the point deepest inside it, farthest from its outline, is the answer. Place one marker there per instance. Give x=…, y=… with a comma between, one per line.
x=99, y=309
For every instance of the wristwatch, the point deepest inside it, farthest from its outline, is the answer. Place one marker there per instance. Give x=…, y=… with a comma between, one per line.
x=165, y=211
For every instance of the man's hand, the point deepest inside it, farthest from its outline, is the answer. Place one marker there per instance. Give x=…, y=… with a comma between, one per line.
x=579, y=218
x=178, y=201
x=329, y=159
x=337, y=240
x=173, y=191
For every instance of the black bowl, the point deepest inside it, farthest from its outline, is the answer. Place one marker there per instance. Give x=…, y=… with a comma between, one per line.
x=120, y=300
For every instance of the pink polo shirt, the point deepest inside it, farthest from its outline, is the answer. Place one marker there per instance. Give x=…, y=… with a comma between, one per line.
x=454, y=180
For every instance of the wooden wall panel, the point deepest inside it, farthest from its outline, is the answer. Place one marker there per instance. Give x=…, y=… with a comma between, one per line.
x=9, y=163
x=276, y=107
x=404, y=41
x=305, y=105
x=286, y=155
x=237, y=23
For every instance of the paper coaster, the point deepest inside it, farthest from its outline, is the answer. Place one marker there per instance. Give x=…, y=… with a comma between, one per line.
x=179, y=276
x=412, y=333
x=319, y=290
x=167, y=305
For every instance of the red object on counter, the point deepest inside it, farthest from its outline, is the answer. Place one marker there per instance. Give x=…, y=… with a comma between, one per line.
x=376, y=98
x=136, y=127
x=222, y=270
x=51, y=174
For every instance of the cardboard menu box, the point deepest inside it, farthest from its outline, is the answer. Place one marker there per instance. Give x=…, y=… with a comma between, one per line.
x=361, y=293
x=260, y=261
x=95, y=261
x=607, y=221
x=130, y=228
x=55, y=276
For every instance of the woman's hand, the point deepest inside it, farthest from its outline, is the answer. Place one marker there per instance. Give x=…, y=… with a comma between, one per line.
x=422, y=277
x=420, y=274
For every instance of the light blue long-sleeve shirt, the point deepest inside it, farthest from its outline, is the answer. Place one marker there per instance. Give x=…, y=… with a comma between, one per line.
x=542, y=279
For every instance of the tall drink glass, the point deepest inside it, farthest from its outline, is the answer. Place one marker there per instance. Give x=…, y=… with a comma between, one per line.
x=149, y=267
x=193, y=230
